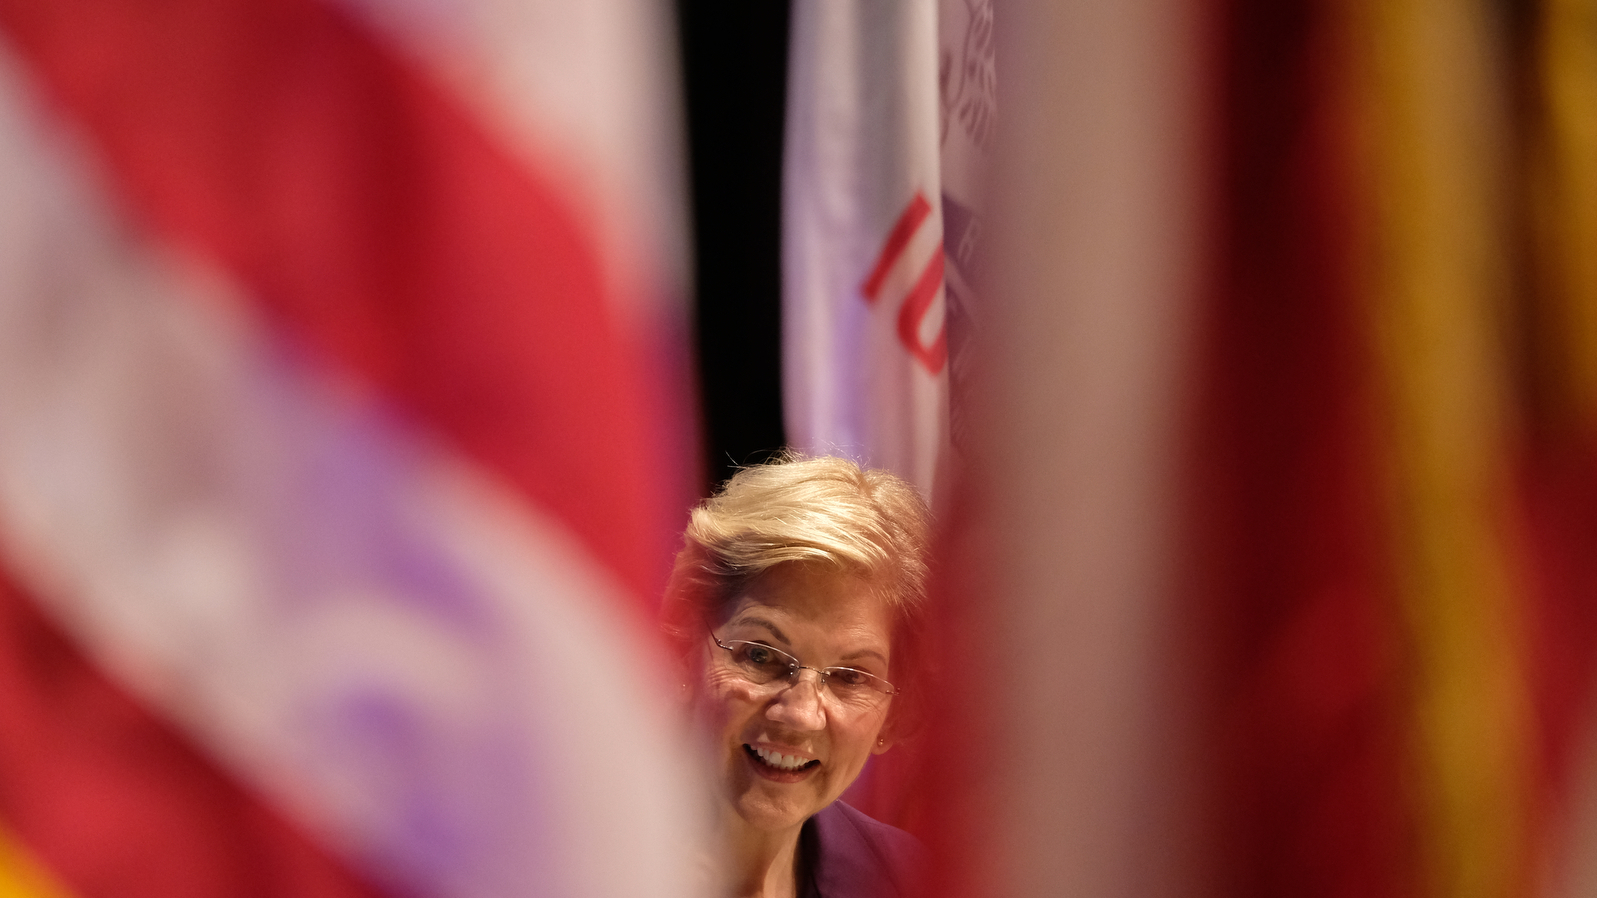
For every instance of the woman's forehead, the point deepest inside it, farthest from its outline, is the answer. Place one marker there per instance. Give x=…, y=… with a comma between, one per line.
x=798, y=604
x=813, y=590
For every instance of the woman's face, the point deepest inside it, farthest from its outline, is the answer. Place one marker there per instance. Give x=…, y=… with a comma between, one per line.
x=823, y=618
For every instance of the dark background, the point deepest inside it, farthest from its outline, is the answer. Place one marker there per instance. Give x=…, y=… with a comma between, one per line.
x=734, y=61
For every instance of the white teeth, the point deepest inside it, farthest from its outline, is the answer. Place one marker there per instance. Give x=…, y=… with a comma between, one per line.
x=777, y=759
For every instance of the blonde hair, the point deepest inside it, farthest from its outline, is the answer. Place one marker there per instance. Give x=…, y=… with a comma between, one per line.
x=797, y=509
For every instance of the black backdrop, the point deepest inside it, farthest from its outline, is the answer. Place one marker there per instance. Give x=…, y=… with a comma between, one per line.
x=734, y=55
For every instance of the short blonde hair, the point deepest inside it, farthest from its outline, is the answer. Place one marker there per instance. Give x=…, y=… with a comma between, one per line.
x=798, y=509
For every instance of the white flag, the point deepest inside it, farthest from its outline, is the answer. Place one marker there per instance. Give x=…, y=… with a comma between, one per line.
x=865, y=351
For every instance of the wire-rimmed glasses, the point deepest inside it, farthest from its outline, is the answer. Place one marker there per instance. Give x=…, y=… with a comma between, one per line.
x=762, y=664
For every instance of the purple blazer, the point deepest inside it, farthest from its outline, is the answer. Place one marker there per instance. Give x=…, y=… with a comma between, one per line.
x=845, y=854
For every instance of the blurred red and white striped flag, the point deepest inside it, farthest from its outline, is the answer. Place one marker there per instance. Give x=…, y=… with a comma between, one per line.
x=340, y=448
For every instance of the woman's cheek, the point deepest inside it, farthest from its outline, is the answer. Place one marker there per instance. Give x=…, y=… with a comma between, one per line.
x=726, y=689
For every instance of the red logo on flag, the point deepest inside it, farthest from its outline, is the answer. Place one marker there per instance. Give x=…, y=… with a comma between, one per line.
x=918, y=301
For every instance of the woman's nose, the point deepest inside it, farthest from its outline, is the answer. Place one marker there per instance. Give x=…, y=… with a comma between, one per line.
x=798, y=705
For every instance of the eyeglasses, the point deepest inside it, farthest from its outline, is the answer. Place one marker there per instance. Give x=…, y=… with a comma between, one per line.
x=761, y=664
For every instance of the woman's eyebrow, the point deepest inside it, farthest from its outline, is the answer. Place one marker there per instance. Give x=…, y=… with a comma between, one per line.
x=762, y=622
x=781, y=637
x=866, y=653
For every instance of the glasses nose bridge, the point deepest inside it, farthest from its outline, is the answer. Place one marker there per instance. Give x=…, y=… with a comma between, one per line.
x=795, y=676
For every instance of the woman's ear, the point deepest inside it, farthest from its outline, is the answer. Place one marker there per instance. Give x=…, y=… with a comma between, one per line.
x=884, y=741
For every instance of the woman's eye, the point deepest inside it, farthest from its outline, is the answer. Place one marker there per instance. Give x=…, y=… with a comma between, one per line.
x=848, y=676
x=759, y=654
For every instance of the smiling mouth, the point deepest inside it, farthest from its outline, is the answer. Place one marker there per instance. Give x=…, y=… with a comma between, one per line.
x=779, y=761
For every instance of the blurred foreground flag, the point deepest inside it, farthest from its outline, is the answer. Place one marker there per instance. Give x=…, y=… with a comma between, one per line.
x=1277, y=549
x=339, y=448
x=865, y=355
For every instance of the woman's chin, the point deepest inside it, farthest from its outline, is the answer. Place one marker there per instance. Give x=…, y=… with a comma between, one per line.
x=774, y=799
x=769, y=814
